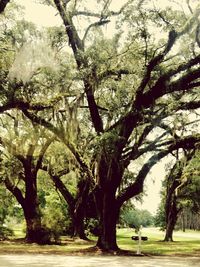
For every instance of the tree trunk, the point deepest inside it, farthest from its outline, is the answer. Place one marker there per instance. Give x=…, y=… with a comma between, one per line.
x=109, y=173
x=79, y=226
x=183, y=221
x=169, y=230
x=80, y=209
x=78, y=219
x=35, y=233
x=108, y=220
x=171, y=218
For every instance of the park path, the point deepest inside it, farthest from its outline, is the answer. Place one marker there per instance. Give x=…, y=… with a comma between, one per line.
x=38, y=260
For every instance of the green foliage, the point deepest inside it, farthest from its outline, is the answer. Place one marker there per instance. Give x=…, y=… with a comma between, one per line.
x=190, y=194
x=159, y=218
x=57, y=37
x=54, y=210
x=92, y=227
x=134, y=218
x=106, y=142
x=9, y=212
x=21, y=33
x=187, y=172
x=16, y=214
x=5, y=232
x=8, y=207
x=55, y=215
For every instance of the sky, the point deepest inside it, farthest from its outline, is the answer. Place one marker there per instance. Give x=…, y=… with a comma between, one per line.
x=40, y=14
x=47, y=16
x=152, y=187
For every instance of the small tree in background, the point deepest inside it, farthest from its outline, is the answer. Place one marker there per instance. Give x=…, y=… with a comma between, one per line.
x=180, y=191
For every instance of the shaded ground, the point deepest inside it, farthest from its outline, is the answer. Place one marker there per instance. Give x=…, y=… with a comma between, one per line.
x=37, y=260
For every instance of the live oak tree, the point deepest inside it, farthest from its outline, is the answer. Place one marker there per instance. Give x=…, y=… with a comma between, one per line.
x=19, y=89
x=23, y=150
x=119, y=142
x=174, y=182
x=180, y=190
x=127, y=87
x=21, y=140
x=189, y=195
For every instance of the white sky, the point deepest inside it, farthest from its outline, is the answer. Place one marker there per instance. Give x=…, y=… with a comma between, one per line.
x=153, y=184
x=47, y=16
x=40, y=14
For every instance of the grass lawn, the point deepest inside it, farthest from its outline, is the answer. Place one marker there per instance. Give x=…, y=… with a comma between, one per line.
x=185, y=244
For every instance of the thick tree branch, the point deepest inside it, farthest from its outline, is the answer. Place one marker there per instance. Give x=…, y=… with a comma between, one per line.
x=133, y=119
x=19, y=104
x=44, y=123
x=105, y=12
x=63, y=190
x=56, y=178
x=151, y=66
x=78, y=50
x=189, y=6
x=87, y=14
x=189, y=105
x=163, y=86
x=74, y=40
x=95, y=24
x=172, y=37
x=116, y=73
x=188, y=142
x=15, y=191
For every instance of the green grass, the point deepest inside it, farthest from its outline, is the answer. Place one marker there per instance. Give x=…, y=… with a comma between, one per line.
x=68, y=246
x=185, y=244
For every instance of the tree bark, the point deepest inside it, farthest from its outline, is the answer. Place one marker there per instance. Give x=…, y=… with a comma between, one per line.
x=34, y=231
x=109, y=178
x=108, y=220
x=79, y=226
x=183, y=221
x=80, y=209
x=171, y=219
